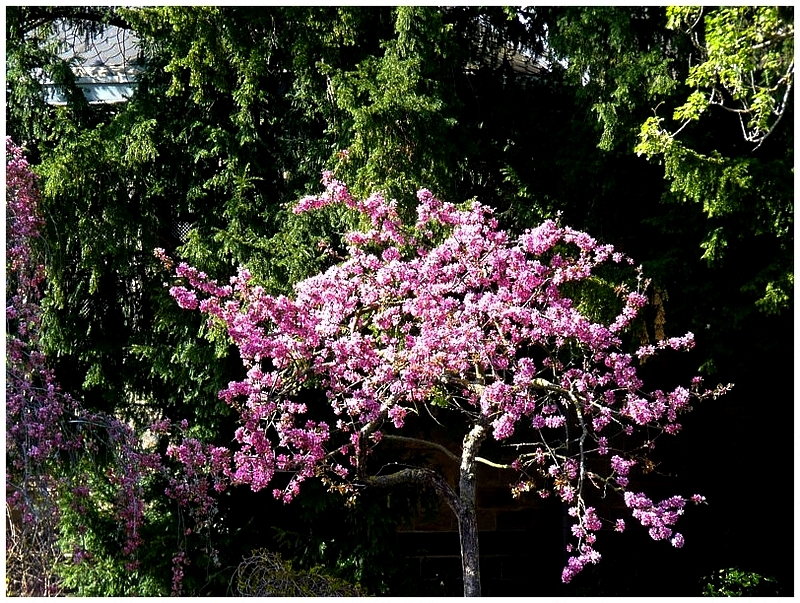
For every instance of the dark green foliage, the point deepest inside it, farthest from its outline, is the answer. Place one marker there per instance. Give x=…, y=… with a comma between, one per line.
x=399, y=110
x=723, y=204
x=735, y=582
x=356, y=539
x=619, y=60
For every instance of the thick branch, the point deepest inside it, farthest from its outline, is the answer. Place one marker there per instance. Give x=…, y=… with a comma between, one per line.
x=421, y=476
x=373, y=425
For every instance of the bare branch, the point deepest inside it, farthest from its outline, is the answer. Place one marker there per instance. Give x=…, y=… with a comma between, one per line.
x=480, y=459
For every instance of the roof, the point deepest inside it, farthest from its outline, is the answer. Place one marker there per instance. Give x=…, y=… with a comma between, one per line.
x=105, y=65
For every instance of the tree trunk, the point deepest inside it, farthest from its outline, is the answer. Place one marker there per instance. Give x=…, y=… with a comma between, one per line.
x=467, y=512
x=463, y=504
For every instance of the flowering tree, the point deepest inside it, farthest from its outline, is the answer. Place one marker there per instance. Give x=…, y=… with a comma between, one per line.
x=450, y=316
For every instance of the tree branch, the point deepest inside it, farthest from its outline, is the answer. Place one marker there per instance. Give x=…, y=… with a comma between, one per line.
x=421, y=476
x=39, y=16
x=444, y=450
x=480, y=459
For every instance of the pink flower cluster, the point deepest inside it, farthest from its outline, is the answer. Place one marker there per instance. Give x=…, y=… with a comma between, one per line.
x=587, y=524
x=621, y=468
x=485, y=324
x=204, y=469
x=659, y=517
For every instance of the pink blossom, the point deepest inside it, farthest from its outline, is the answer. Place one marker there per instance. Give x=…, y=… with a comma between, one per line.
x=620, y=465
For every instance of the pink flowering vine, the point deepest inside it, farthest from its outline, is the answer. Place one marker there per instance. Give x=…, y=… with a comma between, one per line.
x=33, y=402
x=197, y=473
x=489, y=327
x=48, y=433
